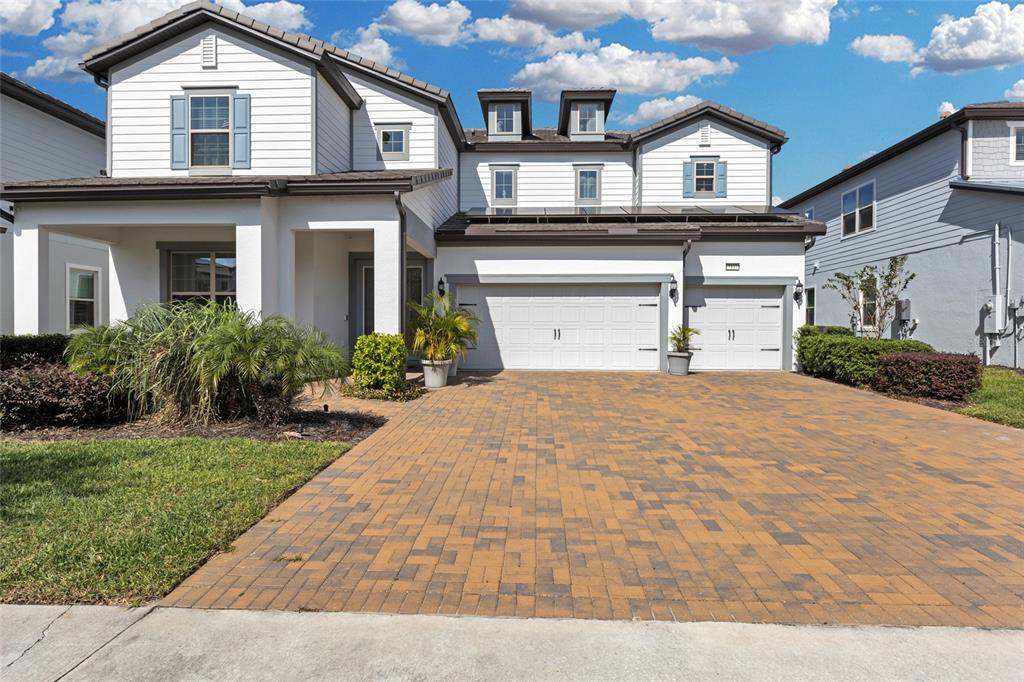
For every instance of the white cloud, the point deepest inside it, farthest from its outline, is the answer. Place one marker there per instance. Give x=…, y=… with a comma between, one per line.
x=523, y=33
x=371, y=46
x=991, y=37
x=617, y=66
x=875, y=8
x=890, y=48
x=88, y=23
x=27, y=17
x=434, y=24
x=732, y=26
x=1016, y=91
x=656, y=109
x=946, y=108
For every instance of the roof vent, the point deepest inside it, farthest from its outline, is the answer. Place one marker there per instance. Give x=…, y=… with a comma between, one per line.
x=705, y=134
x=209, y=51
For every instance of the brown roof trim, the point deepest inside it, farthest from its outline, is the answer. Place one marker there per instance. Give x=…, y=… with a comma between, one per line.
x=523, y=97
x=212, y=187
x=50, y=105
x=335, y=77
x=565, y=100
x=529, y=146
x=710, y=109
x=995, y=110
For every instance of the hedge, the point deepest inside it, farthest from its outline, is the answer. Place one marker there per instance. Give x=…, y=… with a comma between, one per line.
x=849, y=359
x=25, y=350
x=945, y=376
x=53, y=395
x=378, y=362
x=814, y=330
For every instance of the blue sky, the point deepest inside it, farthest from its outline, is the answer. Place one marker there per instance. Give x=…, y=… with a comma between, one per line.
x=844, y=79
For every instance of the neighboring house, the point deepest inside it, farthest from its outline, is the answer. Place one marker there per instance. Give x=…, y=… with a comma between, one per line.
x=42, y=137
x=296, y=178
x=950, y=198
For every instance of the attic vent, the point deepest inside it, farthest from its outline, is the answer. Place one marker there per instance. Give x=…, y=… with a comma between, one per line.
x=705, y=134
x=209, y=46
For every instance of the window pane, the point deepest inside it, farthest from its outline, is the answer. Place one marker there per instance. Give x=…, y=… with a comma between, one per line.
x=705, y=184
x=706, y=168
x=849, y=202
x=209, y=113
x=849, y=223
x=809, y=306
x=181, y=298
x=80, y=284
x=504, y=184
x=190, y=272
x=866, y=195
x=209, y=149
x=809, y=214
x=1020, y=144
x=867, y=218
x=588, y=184
x=505, y=118
x=393, y=141
x=225, y=270
x=82, y=313
x=588, y=118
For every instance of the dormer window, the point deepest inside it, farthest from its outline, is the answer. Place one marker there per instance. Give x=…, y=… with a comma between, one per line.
x=504, y=118
x=504, y=121
x=588, y=112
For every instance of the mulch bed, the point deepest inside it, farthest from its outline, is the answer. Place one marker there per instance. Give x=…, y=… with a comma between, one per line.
x=348, y=427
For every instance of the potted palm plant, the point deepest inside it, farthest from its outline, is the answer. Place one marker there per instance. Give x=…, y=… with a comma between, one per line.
x=467, y=322
x=679, y=356
x=441, y=335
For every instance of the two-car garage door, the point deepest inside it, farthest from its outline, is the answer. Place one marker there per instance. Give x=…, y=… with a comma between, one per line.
x=740, y=327
x=571, y=326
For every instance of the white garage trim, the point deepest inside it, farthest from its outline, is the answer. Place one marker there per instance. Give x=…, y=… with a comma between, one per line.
x=665, y=281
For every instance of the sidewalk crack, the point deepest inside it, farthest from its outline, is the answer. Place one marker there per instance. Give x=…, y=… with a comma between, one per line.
x=41, y=637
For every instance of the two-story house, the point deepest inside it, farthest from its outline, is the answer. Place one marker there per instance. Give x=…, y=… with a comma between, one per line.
x=951, y=199
x=293, y=177
x=43, y=137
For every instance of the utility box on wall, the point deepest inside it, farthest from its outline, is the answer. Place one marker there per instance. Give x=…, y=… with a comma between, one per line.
x=994, y=311
x=903, y=313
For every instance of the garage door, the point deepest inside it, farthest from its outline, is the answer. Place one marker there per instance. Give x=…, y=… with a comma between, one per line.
x=740, y=327
x=597, y=327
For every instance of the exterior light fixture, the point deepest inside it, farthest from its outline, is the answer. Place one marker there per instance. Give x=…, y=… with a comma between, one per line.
x=440, y=286
x=798, y=291
x=673, y=287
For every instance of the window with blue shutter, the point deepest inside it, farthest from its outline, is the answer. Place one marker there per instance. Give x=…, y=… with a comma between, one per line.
x=688, y=179
x=720, y=173
x=241, y=132
x=179, y=132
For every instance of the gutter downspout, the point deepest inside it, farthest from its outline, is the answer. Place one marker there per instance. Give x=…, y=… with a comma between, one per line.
x=401, y=260
x=964, y=137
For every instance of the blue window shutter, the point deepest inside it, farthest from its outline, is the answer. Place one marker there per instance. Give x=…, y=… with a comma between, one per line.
x=688, y=179
x=241, y=132
x=720, y=173
x=179, y=132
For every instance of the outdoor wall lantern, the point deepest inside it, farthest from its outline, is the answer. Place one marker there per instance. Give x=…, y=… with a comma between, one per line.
x=798, y=291
x=440, y=286
x=673, y=288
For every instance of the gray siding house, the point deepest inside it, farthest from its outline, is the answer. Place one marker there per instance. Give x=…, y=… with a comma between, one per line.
x=950, y=198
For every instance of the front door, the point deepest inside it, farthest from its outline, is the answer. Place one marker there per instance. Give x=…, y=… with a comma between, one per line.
x=416, y=278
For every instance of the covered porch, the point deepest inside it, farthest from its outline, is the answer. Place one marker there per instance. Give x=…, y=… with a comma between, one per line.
x=347, y=264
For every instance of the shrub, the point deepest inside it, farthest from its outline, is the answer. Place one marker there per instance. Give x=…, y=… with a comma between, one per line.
x=849, y=359
x=378, y=363
x=25, y=350
x=945, y=376
x=816, y=330
x=202, y=361
x=53, y=395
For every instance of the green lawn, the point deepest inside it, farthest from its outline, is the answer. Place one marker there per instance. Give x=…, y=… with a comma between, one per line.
x=1000, y=399
x=123, y=521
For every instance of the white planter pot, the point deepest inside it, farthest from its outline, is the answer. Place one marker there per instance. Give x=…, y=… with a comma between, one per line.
x=435, y=374
x=454, y=367
x=679, y=363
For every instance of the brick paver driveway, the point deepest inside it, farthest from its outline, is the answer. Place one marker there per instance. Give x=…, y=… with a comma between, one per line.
x=749, y=497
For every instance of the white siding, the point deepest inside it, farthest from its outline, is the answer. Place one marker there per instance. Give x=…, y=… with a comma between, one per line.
x=35, y=146
x=383, y=104
x=547, y=179
x=438, y=202
x=333, y=130
x=281, y=88
x=662, y=166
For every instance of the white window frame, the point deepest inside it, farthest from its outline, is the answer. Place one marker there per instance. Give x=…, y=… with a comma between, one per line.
x=1014, y=127
x=405, y=129
x=212, y=293
x=705, y=193
x=858, y=230
x=494, y=170
x=214, y=170
x=97, y=284
x=516, y=126
x=589, y=201
x=597, y=117
x=809, y=307
x=860, y=302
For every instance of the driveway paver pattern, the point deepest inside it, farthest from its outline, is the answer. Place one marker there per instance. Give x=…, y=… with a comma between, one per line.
x=746, y=497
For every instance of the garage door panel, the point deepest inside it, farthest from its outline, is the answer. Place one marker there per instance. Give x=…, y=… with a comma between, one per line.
x=740, y=327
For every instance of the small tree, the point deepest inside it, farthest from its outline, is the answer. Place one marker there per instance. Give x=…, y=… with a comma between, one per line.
x=886, y=285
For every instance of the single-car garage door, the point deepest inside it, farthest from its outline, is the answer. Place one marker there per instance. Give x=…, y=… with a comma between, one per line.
x=577, y=326
x=740, y=327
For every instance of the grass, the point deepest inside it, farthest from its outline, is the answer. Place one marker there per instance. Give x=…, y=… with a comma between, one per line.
x=124, y=521
x=1000, y=398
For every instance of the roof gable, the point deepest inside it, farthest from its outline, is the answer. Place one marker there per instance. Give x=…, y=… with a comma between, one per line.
x=710, y=109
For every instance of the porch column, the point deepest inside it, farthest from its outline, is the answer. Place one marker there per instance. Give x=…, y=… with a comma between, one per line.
x=388, y=278
x=256, y=253
x=32, y=280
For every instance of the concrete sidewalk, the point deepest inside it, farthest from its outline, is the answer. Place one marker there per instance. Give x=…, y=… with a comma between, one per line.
x=103, y=643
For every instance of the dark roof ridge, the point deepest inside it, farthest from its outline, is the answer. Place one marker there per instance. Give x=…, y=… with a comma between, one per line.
x=48, y=104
